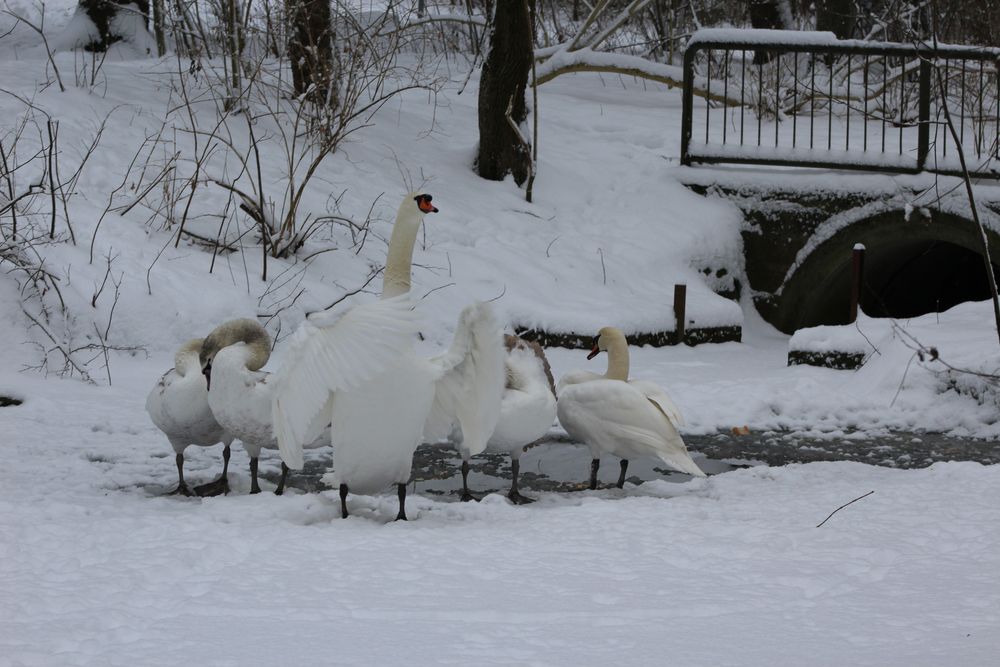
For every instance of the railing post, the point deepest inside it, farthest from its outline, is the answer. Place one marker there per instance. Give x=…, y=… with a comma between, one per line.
x=687, y=104
x=680, y=314
x=924, y=112
x=857, y=276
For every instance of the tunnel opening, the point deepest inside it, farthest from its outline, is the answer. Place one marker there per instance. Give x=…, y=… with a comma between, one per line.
x=904, y=278
x=920, y=277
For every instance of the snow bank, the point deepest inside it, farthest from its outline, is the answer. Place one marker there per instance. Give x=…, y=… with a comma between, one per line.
x=100, y=569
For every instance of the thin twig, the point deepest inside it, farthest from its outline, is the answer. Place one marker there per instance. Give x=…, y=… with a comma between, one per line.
x=498, y=296
x=427, y=294
x=902, y=380
x=842, y=507
x=353, y=292
x=549, y=246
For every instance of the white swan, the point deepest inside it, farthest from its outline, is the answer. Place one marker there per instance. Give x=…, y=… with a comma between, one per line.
x=178, y=405
x=239, y=393
x=627, y=418
x=377, y=422
x=527, y=410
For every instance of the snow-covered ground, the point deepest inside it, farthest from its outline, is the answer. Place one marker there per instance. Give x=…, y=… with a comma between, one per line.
x=97, y=567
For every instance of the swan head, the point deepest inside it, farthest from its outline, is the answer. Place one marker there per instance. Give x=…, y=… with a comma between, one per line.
x=423, y=201
x=605, y=338
x=246, y=331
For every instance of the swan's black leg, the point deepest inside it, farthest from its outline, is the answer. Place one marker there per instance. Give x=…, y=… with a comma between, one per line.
x=595, y=464
x=466, y=495
x=254, y=486
x=343, y=501
x=220, y=485
x=514, y=495
x=281, y=482
x=401, y=492
x=621, y=476
x=225, y=469
x=182, y=487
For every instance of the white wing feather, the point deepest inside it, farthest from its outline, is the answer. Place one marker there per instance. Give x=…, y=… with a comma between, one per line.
x=328, y=354
x=470, y=388
x=617, y=417
x=576, y=377
x=660, y=398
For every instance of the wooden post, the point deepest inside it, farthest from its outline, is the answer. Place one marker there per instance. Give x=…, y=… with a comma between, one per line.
x=857, y=275
x=680, y=305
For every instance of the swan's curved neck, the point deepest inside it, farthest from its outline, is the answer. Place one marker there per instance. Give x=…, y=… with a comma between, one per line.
x=399, y=261
x=617, y=359
x=186, y=359
x=256, y=348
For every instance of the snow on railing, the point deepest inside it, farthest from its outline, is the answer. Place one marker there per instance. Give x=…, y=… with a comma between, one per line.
x=808, y=99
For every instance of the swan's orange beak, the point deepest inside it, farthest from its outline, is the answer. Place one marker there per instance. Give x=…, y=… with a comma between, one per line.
x=424, y=202
x=594, y=352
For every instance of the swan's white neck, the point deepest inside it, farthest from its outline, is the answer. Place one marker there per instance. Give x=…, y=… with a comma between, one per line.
x=187, y=364
x=186, y=360
x=399, y=261
x=617, y=359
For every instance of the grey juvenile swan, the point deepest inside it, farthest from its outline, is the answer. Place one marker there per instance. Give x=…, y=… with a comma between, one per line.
x=178, y=405
x=239, y=393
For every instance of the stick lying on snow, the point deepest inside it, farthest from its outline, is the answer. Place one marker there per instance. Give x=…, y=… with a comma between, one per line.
x=842, y=507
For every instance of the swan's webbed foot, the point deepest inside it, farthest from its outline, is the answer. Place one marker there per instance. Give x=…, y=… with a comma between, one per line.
x=343, y=501
x=281, y=482
x=401, y=492
x=515, y=497
x=181, y=490
x=466, y=494
x=219, y=486
x=216, y=488
x=182, y=487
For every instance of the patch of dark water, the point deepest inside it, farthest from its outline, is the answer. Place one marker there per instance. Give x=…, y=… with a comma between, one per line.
x=894, y=450
x=558, y=464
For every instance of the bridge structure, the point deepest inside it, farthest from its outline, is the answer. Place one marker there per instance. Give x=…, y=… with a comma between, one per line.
x=825, y=144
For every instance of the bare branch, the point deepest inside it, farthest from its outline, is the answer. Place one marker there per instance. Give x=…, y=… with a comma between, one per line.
x=842, y=507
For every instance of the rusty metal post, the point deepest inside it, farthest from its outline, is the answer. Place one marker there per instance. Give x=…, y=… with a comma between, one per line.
x=680, y=306
x=857, y=275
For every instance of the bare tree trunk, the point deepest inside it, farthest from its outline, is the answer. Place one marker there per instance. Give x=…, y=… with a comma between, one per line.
x=232, y=40
x=766, y=14
x=504, y=78
x=310, y=50
x=836, y=16
x=158, y=19
x=102, y=12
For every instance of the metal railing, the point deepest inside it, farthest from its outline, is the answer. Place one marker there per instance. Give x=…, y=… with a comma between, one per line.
x=785, y=99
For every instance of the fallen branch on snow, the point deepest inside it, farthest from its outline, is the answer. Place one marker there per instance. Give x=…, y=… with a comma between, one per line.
x=842, y=507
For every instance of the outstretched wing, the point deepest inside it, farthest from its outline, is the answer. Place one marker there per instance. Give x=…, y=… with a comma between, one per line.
x=328, y=354
x=470, y=387
x=660, y=399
